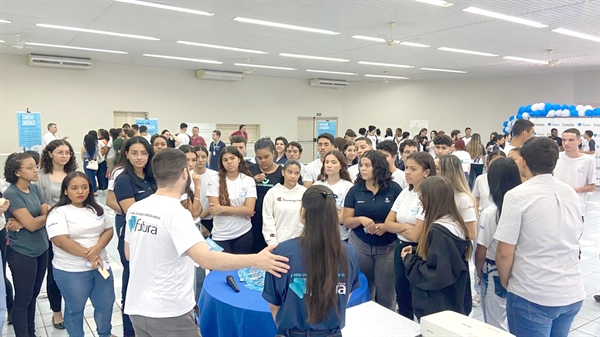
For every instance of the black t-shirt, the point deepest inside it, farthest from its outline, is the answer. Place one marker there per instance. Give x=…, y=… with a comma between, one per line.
x=264, y=186
x=558, y=140
x=592, y=145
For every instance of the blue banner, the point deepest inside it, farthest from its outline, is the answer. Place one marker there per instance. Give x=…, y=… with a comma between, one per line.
x=150, y=123
x=29, y=128
x=327, y=126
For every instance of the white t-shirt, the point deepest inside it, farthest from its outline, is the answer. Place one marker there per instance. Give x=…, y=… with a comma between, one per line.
x=399, y=178
x=466, y=140
x=340, y=189
x=205, y=179
x=487, y=224
x=451, y=225
x=184, y=139
x=111, y=152
x=542, y=217
x=465, y=160
x=407, y=206
x=481, y=190
x=48, y=137
x=159, y=232
x=312, y=170
x=353, y=171
x=465, y=206
x=113, y=176
x=83, y=226
x=281, y=213
x=229, y=227
x=576, y=172
x=507, y=148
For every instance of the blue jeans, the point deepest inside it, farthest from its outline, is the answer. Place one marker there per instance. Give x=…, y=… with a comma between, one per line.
x=527, y=319
x=91, y=174
x=76, y=288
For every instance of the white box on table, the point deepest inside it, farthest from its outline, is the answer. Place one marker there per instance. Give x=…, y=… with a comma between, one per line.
x=453, y=324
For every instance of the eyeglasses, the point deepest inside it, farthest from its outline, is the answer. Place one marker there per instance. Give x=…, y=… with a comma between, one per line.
x=138, y=154
x=63, y=153
x=31, y=168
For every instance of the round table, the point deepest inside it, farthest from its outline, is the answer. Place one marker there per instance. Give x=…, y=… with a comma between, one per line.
x=225, y=313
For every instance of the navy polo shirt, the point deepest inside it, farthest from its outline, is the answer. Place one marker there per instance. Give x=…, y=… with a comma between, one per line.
x=127, y=187
x=375, y=207
x=289, y=291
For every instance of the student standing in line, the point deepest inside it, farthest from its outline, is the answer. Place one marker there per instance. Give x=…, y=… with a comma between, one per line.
x=349, y=150
x=232, y=196
x=390, y=151
x=206, y=175
x=554, y=136
x=89, y=152
x=320, y=262
x=403, y=215
x=6, y=288
x=406, y=149
x=215, y=149
x=281, y=206
x=134, y=184
x=27, y=252
x=266, y=174
x=591, y=143
x=313, y=169
x=190, y=200
x=499, y=143
x=56, y=162
x=169, y=137
x=363, y=144
x=103, y=141
x=367, y=205
x=481, y=190
x=460, y=151
x=80, y=230
x=350, y=135
x=503, y=176
x=111, y=157
x=523, y=130
x=334, y=175
x=477, y=153
x=437, y=269
x=159, y=142
x=294, y=152
x=492, y=142
x=538, y=247
x=280, y=144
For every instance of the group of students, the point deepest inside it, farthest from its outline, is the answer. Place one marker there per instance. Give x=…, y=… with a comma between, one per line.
x=352, y=209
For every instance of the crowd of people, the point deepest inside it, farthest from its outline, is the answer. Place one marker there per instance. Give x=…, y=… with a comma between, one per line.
x=411, y=214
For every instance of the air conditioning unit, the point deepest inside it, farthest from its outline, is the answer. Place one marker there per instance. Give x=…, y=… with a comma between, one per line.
x=59, y=61
x=325, y=83
x=205, y=74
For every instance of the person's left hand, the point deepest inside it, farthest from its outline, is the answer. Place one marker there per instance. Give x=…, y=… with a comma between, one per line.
x=405, y=251
x=216, y=209
x=196, y=178
x=259, y=177
x=13, y=225
x=379, y=229
x=93, y=253
x=5, y=205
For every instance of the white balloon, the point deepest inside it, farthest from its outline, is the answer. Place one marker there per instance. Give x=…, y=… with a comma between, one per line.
x=509, y=129
x=551, y=114
x=538, y=107
x=587, y=107
x=566, y=113
x=526, y=115
x=579, y=107
x=581, y=113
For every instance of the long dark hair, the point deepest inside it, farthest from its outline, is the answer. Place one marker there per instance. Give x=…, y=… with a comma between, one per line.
x=90, y=143
x=343, y=163
x=382, y=177
x=46, y=164
x=425, y=160
x=503, y=176
x=89, y=202
x=128, y=168
x=323, y=253
x=122, y=160
x=242, y=168
x=104, y=134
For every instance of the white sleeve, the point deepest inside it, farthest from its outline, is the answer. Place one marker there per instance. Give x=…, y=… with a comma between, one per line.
x=509, y=225
x=476, y=188
x=56, y=223
x=107, y=220
x=212, y=188
x=251, y=193
x=397, y=203
x=183, y=231
x=269, y=230
x=591, y=178
x=466, y=208
x=487, y=228
x=307, y=174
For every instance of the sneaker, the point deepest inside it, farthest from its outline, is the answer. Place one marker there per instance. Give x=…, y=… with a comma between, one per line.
x=476, y=300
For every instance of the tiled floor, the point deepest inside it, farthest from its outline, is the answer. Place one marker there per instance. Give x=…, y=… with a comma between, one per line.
x=587, y=322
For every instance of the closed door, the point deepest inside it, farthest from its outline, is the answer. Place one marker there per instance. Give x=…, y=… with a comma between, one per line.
x=306, y=138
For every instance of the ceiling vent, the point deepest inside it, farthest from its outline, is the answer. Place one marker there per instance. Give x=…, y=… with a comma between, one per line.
x=325, y=83
x=205, y=74
x=59, y=61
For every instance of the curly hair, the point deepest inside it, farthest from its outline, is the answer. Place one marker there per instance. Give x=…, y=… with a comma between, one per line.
x=242, y=168
x=12, y=165
x=46, y=160
x=382, y=176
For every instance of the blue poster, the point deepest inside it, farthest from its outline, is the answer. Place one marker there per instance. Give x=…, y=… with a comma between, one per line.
x=150, y=123
x=29, y=129
x=327, y=126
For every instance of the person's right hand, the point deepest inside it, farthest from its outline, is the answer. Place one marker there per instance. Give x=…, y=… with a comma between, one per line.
x=5, y=205
x=368, y=224
x=97, y=263
x=273, y=264
x=405, y=251
x=259, y=177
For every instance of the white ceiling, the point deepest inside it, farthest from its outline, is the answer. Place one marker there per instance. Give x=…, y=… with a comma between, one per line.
x=417, y=22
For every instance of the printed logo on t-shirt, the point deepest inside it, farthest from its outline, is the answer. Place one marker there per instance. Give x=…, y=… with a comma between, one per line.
x=138, y=225
x=288, y=200
x=298, y=285
x=360, y=201
x=387, y=200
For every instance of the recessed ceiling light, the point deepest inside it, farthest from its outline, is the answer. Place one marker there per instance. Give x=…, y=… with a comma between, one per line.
x=436, y=3
x=286, y=26
x=445, y=70
x=261, y=66
x=320, y=58
x=504, y=17
x=94, y=31
x=329, y=72
x=387, y=76
x=514, y=58
x=413, y=44
x=75, y=48
x=161, y=6
x=466, y=51
x=182, y=59
x=5, y=21
x=2, y=41
x=576, y=34
x=384, y=64
x=222, y=47
x=368, y=38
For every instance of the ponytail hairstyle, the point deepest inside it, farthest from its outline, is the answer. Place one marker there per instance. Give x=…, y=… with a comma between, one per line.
x=324, y=255
x=287, y=164
x=90, y=143
x=451, y=168
x=343, y=169
x=242, y=168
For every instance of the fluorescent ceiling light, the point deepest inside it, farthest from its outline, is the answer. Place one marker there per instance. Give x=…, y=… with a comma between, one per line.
x=84, y=30
x=436, y=3
x=182, y=59
x=387, y=76
x=368, y=38
x=5, y=21
x=514, y=58
x=466, y=51
x=286, y=26
x=75, y=48
x=161, y=6
x=504, y=17
x=445, y=70
x=314, y=57
x=261, y=66
x=329, y=72
x=384, y=64
x=576, y=34
x=2, y=41
x=222, y=47
x=413, y=44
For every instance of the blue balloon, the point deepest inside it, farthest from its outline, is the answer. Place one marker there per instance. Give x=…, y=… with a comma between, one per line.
x=596, y=112
x=548, y=106
x=556, y=107
x=505, y=124
x=564, y=107
x=589, y=113
x=511, y=118
x=573, y=113
x=572, y=107
x=528, y=108
x=521, y=109
x=504, y=131
x=536, y=113
x=519, y=116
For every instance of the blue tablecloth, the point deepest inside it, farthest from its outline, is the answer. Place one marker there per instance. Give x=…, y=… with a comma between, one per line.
x=225, y=313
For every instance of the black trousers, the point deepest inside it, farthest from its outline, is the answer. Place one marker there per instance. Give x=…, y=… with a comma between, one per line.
x=9, y=287
x=28, y=275
x=54, y=296
x=258, y=240
x=403, y=293
x=241, y=245
x=127, y=325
